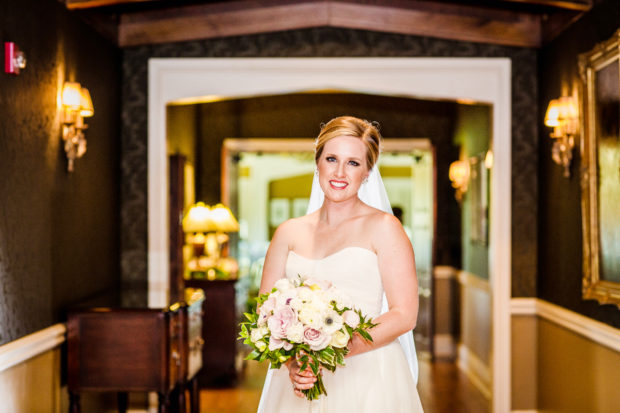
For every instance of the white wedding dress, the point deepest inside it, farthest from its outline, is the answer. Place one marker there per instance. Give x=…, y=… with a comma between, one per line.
x=376, y=381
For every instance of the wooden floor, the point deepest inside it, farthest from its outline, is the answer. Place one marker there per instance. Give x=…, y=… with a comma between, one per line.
x=442, y=386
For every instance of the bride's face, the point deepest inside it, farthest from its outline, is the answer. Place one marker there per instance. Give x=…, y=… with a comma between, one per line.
x=342, y=167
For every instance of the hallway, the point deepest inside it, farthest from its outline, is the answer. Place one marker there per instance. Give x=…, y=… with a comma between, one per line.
x=443, y=389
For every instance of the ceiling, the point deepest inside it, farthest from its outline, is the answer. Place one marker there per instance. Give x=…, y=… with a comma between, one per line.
x=524, y=23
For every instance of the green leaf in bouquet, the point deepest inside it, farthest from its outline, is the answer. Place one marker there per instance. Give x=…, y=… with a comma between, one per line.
x=340, y=358
x=314, y=365
x=254, y=355
x=365, y=335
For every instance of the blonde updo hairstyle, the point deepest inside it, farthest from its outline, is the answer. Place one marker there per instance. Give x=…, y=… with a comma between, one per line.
x=355, y=127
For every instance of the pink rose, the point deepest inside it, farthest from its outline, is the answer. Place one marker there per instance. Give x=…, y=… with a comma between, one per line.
x=267, y=307
x=351, y=318
x=276, y=343
x=316, y=339
x=280, y=321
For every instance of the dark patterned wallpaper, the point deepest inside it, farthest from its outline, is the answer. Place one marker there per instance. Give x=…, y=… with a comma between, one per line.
x=58, y=231
x=560, y=255
x=329, y=42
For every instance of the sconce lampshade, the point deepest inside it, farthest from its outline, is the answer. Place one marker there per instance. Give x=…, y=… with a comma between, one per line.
x=198, y=219
x=459, y=173
x=224, y=219
x=560, y=111
x=86, y=104
x=72, y=95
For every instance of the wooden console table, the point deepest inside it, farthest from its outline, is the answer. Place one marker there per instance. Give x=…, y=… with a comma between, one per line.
x=136, y=349
x=220, y=330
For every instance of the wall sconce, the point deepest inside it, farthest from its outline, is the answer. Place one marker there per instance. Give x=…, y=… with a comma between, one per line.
x=76, y=105
x=562, y=115
x=459, y=176
x=207, y=230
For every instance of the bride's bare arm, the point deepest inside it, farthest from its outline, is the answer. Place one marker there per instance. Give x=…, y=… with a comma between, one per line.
x=274, y=269
x=398, y=274
x=275, y=260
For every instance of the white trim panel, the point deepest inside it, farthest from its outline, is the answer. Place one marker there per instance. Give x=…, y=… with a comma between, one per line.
x=596, y=331
x=444, y=346
x=477, y=371
x=22, y=349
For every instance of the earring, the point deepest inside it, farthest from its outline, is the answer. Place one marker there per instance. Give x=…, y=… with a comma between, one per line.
x=316, y=172
x=365, y=181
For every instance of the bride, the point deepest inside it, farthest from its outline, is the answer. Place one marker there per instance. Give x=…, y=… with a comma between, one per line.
x=350, y=238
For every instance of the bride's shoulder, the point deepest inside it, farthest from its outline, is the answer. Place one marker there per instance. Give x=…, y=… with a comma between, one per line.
x=383, y=222
x=294, y=226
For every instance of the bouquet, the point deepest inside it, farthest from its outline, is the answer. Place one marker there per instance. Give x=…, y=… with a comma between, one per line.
x=305, y=319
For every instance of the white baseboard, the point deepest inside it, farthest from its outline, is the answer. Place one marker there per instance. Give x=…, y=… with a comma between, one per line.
x=596, y=331
x=444, y=346
x=475, y=369
x=22, y=349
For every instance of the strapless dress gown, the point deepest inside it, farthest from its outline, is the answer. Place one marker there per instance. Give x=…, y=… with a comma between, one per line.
x=373, y=382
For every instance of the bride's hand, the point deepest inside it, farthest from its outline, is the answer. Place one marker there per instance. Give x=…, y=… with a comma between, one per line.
x=356, y=343
x=301, y=379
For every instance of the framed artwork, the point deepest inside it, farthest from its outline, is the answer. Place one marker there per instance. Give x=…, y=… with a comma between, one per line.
x=300, y=206
x=600, y=172
x=278, y=211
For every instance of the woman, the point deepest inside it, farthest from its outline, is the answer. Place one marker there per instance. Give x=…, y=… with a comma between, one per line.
x=365, y=253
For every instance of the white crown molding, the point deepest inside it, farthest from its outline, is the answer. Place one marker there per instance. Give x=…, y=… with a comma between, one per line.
x=32, y=345
x=596, y=331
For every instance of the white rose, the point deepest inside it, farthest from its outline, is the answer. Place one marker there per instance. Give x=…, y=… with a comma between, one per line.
x=296, y=304
x=258, y=333
x=305, y=294
x=295, y=333
x=283, y=284
x=340, y=339
x=285, y=298
x=310, y=316
x=261, y=345
x=351, y=318
x=341, y=300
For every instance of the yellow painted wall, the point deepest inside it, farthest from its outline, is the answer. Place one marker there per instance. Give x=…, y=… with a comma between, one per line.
x=575, y=374
x=32, y=386
x=524, y=383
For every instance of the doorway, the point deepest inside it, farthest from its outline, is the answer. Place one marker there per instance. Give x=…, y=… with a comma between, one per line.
x=482, y=80
x=267, y=181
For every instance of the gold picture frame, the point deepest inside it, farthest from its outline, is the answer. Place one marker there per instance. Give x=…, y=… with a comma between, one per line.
x=600, y=173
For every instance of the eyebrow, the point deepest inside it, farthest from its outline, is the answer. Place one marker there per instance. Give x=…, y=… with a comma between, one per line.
x=351, y=158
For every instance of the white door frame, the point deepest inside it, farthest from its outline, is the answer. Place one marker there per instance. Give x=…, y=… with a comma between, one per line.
x=485, y=80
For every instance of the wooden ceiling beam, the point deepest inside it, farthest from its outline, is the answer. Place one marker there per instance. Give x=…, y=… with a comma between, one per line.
x=423, y=18
x=575, y=5
x=90, y=4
